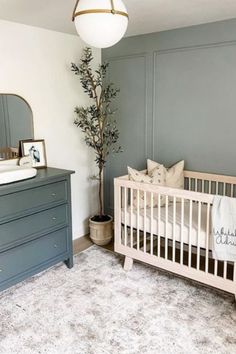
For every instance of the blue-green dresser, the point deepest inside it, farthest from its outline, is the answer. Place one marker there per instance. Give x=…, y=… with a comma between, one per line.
x=35, y=225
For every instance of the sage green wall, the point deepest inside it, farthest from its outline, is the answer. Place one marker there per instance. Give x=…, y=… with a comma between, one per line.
x=177, y=100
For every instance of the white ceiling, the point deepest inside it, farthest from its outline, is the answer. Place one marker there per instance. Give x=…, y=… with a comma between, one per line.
x=146, y=16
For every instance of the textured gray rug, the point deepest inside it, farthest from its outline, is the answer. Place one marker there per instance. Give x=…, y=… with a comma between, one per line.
x=97, y=308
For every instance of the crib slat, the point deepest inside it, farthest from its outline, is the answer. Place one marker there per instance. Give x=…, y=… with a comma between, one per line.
x=195, y=182
x=216, y=267
x=231, y=190
x=224, y=188
x=118, y=211
x=131, y=219
x=225, y=270
x=198, y=234
x=234, y=275
x=138, y=231
x=151, y=250
x=216, y=261
x=182, y=230
x=207, y=237
x=217, y=188
x=166, y=229
x=145, y=222
x=125, y=202
x=159, y=222
x=209, y=191
x=190, y=234
x=174, y=228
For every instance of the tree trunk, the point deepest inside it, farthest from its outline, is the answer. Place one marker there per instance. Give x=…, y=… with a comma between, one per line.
x=100, y=193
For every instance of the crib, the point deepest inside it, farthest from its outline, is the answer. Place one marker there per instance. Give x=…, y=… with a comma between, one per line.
x=8, y=153
x=175, y=237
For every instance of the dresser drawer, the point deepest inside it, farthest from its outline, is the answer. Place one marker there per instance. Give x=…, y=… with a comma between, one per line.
x=15, y=232
x=33, y=199
x=32, y=254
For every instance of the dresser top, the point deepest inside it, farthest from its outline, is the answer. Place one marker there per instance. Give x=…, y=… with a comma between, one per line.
x=44, y=175
x=51, y=172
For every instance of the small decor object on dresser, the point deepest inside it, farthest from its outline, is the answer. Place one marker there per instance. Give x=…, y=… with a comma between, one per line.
x=36, y=150
x=100, y=133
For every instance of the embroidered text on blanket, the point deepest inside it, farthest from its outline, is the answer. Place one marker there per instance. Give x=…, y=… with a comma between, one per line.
x=225, y=238
x=224, y=228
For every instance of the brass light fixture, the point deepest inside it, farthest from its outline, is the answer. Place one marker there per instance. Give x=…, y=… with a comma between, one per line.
x=100, y=23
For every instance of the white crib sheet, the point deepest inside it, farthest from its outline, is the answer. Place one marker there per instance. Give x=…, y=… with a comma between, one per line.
x=186, y=232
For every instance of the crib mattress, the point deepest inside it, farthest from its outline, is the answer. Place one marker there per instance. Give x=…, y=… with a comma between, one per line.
x=198, y=238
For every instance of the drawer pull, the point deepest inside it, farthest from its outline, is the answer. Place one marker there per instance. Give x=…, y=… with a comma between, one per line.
x=53, y=194
x=55, y=245
x=1, y=270
x=54, y=218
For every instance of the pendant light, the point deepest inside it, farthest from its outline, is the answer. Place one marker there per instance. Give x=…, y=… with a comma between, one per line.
x=100, y=23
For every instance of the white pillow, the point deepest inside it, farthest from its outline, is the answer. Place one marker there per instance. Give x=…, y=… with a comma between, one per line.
x=156, y=177
x=174, y=176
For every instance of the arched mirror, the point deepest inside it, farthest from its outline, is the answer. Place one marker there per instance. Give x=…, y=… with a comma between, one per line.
x=16, y=123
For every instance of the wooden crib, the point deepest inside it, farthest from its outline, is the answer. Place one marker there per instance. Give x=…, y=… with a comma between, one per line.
x=9, y=153
x=177, y=236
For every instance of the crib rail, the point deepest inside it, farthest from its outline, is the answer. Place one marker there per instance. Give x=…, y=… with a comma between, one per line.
x=171, y=228
x=210, y=183
x=9, y=153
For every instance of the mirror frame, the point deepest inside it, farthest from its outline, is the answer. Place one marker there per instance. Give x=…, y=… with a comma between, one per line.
x=32, y=126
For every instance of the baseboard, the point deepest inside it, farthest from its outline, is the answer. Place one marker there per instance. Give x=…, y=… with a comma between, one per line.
x=82, y=243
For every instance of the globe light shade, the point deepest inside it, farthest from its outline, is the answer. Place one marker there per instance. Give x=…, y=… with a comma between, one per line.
x=98, y=25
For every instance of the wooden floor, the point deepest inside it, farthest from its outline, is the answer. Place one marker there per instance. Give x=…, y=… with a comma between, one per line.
x=110, y=246
x=82, y=243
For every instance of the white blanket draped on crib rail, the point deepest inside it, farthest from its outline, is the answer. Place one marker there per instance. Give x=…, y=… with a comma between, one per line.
x=224, y=228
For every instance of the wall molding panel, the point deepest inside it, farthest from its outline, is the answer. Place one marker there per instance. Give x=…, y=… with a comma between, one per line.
x=196, y=47
x=131, y=57
x=126, y=65
x=190, y=80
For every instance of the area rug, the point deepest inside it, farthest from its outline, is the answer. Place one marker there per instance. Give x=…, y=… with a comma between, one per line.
x=98, y=308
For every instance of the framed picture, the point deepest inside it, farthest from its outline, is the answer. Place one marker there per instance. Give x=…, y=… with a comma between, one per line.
x=20, y=146
x=36, y=150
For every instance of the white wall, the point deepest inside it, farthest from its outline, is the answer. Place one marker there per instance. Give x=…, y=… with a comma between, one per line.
x=35, y=64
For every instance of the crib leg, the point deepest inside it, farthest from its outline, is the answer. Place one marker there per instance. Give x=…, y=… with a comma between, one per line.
x=128, y=263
